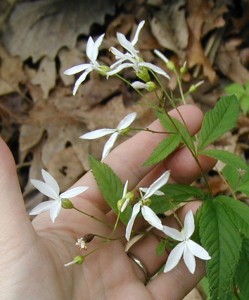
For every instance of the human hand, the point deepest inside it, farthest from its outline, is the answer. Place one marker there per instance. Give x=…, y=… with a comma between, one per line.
x=32, y=256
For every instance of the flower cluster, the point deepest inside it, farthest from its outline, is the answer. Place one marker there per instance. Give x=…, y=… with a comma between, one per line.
x=143, y=203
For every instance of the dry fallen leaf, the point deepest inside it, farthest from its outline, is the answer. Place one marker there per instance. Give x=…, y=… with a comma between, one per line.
x=40, y=28
x=45, y=76
x=170, y=28
x=11, y=73
x=198, y=12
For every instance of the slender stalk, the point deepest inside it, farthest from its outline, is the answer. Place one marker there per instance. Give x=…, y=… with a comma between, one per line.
x=90, y=216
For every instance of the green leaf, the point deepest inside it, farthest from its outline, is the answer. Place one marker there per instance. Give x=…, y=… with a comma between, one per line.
x=219, y=120
x=164, y=149
x=161, y=246
x=223, y=242
x=228, y=158
x=241, y=276
x=235, y=88
x=182, y=192
x=237, y=211
x=161, y=204
x=110, y=186
x=232, y=176
x=175, y=126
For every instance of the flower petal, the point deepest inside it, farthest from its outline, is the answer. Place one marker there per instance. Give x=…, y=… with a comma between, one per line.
x=49, y=179
x=120, y=68
x=189, y=260
x=135, y=211
x=92, y=48
x=162, y=56
x=95, y=134
x=126, y=121
x=44, y=188
x=55, y=210
x=135, y=39
x=109, y=144
x=81, y=79
x=156, y=185
x=151, y=217
x=174, y=257
x=126, y=44
x=198, y=250
x=42, y=207
x=76, y=69
x=73, y=192
x=154, y=68
x=189, y=225
x=125, y=189
x=173, y=233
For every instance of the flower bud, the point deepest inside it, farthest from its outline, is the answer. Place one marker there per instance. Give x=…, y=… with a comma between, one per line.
x=194, y=87
x=78, y=260
x=184, y=69
x=170, y=65
x=151, y=86
x=67, y=204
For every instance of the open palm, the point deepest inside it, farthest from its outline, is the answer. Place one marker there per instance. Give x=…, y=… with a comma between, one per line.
x=32, y=256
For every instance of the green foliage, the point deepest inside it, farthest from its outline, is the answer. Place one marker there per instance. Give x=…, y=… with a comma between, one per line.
x=222, y=240
x=161, y=246
x=110, y=186
x=237, y=212
x=228, y=158
x=241, y=91
x=218, y=121
x=164, y=149
x=182, y=192
x=232, y=176
x=174, y=126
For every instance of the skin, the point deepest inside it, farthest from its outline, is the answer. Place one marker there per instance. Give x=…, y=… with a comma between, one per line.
x=32, y=255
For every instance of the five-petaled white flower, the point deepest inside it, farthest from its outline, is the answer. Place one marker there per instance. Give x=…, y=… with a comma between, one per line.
x=50, y=188
x=131, y=59
x=186, y=248
x=122, y=128
x=148, y=214
x=92, y=51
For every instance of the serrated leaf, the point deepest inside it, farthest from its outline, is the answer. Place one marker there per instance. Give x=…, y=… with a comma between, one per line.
x=237, y=211
x=164, y=149
x=175, y=126
x=231, y=175
x=110, y=186
x=182, y=192
x=241, y=276
x=223, y=242
x=162, y=204
x=219, y=120
x=228, y=158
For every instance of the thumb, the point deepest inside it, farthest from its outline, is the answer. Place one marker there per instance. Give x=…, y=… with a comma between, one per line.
x=16, y=230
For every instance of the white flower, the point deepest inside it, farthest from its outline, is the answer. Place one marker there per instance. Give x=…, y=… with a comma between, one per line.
x=130, y=59
x=50, y=188
x=121, y=129
x=187, y=248
x=92, y=51
x=146, y=211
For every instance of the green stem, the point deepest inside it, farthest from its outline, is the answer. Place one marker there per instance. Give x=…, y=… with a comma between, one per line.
x=90, y=216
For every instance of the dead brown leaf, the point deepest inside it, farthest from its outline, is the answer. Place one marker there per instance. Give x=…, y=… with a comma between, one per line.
x=40, y=28
x=170, y=28
x=198, y=12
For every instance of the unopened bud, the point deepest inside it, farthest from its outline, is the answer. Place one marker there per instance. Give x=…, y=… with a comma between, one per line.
x=67, y=204
x=77, y=260
x=194, y=87
x=184, y=69
x=151, y=86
